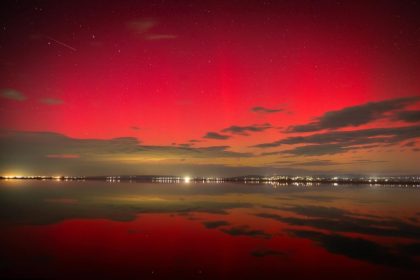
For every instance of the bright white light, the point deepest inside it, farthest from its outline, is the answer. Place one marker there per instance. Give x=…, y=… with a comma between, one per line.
x=14, y=176
x=187, y=179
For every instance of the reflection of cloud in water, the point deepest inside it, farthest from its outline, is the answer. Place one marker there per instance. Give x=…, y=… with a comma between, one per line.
x=62, y=200
x=347, y=223
x=325, y=212
x=317, y=211
x=320, y=198
x=267, y=252
x=412, y=249
x=215, y=224
x=358, y=248
x=23, y=208
x=370, y=201
x=246, y=231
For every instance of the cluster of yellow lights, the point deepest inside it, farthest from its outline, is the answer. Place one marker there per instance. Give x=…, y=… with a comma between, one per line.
x=13, y=176
x=31, y=177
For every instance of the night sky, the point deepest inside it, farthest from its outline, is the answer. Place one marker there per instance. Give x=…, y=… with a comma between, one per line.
x=209, y=87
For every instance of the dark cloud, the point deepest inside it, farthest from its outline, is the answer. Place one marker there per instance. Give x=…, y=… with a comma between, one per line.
x=267, y=252
x=243, y=130
x=182, y=150
x=135, y=127
x=408, y=116
x=355, y=115
x=264, y=110
x=324, y=162
x=40, y=152
x=271, y=153
x=185, y=145
x=12, y=94
x=317, y=150
x=284, y=162
x=358, y=248
x=269, y=145
x=54, y=153
x=334, y=142
x=246, y=231
x=354, y=137
x=44, y=143
x=64, y=156
x=215, y=135
x=215, y=224
x=368, y=161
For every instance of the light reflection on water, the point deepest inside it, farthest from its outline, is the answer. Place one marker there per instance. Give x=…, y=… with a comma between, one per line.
x=192, y=230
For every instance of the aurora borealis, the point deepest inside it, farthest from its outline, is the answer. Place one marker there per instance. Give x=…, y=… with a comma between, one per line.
x=203, y=88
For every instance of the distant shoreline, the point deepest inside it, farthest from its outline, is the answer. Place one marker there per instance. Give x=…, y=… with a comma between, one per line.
x=409, y=180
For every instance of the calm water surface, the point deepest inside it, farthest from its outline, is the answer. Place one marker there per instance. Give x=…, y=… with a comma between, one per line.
x=88, y=230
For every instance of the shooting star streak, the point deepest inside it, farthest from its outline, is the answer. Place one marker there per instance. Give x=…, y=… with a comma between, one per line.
x=61, y=43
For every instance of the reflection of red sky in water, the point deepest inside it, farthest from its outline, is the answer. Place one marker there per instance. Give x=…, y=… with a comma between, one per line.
x=168, y=246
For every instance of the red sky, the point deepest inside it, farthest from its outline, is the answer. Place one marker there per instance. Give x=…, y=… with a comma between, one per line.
x=164, y=73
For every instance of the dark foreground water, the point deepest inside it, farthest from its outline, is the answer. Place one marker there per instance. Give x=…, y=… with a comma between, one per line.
x=99, y=230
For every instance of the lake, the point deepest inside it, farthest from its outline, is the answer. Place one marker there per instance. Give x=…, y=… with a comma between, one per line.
x=96, y=229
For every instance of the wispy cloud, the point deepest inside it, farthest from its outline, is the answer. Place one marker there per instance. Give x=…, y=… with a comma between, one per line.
x=355, y=115
x=55, y=145
x=342, y=141
x=143, y=28
x=265, y=110
x=243, y=130
x=215, y=135
x=267, y=252
x=121, y=156
x=408, y=116
x=215, y=224
x=52, y=101
x=12, y=94
x=324, y=162
x=64, y=156
x=317, y=150
x=246, y=231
